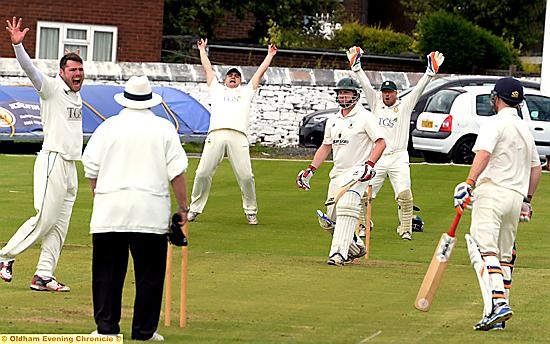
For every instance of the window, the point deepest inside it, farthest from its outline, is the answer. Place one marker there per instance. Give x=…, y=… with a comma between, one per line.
x=539, y=107
x=96, y=43
x=483, y=105
x=442, y=101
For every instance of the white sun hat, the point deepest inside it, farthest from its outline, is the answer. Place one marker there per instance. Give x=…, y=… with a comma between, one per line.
x=138, y=94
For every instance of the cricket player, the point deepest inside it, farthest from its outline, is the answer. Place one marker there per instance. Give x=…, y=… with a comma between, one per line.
x=229, y=116
x=356, y=143
x=55, y=175
x=393, y=117
x=500, y=186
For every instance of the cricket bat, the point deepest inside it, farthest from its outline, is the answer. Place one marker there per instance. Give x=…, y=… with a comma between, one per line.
x=437, y=267
x=340, y=192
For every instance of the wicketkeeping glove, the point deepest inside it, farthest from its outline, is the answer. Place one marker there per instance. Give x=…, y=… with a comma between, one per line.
x=354, y=57
x=365, y=172
x=302, y=179
x=463, y=198
x=526, y=212
x=435, y=59
x=175, y=232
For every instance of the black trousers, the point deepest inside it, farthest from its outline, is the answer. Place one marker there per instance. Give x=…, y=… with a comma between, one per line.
x=109, y=266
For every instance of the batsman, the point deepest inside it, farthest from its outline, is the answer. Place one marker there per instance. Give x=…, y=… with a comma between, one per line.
x=500, y=185
x=356, y=143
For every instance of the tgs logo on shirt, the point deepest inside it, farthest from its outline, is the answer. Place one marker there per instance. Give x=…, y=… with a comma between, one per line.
x=74, y=114
x=387, y=122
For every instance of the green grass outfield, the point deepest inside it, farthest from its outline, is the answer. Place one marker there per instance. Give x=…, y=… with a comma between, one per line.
x=270, y=283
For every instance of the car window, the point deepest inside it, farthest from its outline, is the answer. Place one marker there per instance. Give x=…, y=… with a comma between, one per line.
x=483, y=105
x=441, y=101
x=539, y=107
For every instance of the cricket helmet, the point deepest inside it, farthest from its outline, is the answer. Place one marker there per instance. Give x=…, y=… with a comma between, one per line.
x=347, y=84
x=417, y=224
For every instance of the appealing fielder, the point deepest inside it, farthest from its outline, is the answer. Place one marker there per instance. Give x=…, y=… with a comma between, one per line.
x=505, y=173
x=229, y=116
x=55, y=176
x=393, y=117
x=356, y=143
x=132, y=159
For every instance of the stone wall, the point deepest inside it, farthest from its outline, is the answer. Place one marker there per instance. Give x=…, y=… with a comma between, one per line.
x=285, y=96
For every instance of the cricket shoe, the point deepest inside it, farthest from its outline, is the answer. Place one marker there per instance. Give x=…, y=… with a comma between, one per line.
x=498, y=326
x=325, y=222
x=500, y=314
x=355, y=251
x=336, y=259
x=96, y=334
x=192, y=215
x=252, y=219
x=406, y=236
x=6, y=270
x=363, y=229
x=157, y=337
x=47, y=284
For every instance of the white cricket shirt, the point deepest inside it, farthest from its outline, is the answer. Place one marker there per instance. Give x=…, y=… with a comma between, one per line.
x=61, y=112
x=230, y=107
x=513, y=152
x=352, y=138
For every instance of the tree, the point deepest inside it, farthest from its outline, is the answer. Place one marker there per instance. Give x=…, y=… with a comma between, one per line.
x=519, y=22
x=200, y=17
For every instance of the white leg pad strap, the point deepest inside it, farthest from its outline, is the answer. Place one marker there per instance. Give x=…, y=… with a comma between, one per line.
x=405, y=211
x=481, y=273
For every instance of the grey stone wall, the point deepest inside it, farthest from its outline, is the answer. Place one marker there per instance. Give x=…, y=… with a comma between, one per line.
x=285, y=96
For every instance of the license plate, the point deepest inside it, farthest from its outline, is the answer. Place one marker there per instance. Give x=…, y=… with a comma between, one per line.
x=426, y=123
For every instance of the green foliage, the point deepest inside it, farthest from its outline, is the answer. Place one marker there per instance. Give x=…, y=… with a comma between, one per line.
x=467, y=47
x=520, y=22
x=381, y=41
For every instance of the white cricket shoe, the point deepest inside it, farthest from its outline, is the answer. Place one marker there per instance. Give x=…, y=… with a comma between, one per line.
x=336, y=259
x=157, y=337
x=252, y=219
x=47, y=284
x=6, y=270
x=192, y=215
x=406, y=236
x=96, y=334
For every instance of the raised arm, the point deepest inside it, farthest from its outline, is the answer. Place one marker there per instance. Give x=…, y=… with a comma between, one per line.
x=205, y=61
x=271, y=51
x=16, y=35
x=354, y=56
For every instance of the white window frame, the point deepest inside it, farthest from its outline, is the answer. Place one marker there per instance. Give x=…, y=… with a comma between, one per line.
x=89, y=42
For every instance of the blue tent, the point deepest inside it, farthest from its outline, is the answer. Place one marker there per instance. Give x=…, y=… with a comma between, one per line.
x=20, y=110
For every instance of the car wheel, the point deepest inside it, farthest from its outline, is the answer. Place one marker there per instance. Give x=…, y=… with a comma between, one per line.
x=462, y=151
x=435, y=157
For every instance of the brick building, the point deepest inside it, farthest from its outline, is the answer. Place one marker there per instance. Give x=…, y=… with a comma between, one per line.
x=104, y=30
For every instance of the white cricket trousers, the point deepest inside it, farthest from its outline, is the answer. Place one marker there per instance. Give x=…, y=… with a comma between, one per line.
x=396, y=167
x=55, y=188
x=495, y=218
x=217, y=144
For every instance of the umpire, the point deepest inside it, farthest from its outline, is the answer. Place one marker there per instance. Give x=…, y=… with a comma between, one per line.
x=130, y=160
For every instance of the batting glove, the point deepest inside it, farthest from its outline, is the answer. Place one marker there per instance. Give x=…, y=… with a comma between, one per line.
x=526, y=212
x=435, y=59
x=354, y=57
x=302, y=179
x=463, y=198
x=365, y=172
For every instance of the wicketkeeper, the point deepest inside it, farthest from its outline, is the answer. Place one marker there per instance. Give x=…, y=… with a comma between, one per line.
x=393, y=117
x=356, y=143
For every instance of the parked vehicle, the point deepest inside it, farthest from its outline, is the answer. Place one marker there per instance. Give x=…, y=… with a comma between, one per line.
x=447, y=128
x=312, y=126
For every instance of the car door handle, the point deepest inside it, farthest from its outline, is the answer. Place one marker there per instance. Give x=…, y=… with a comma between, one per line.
x=539, y=129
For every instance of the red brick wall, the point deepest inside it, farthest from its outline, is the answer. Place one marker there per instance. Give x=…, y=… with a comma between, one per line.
x=139, y=23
